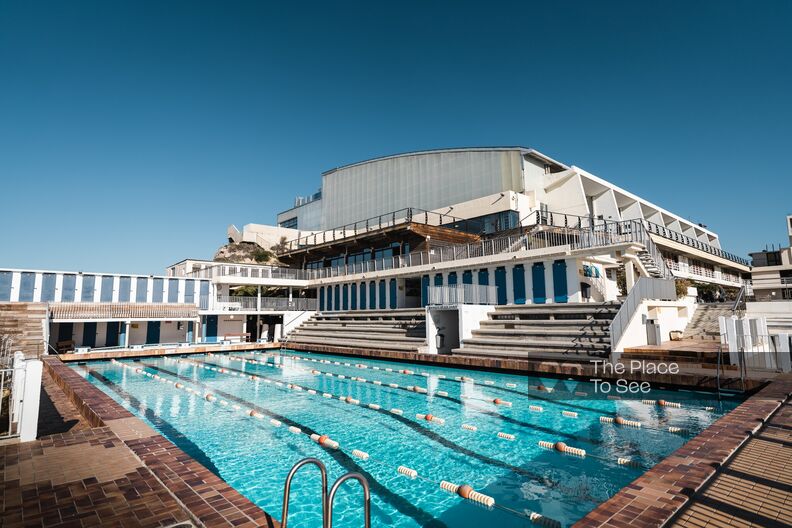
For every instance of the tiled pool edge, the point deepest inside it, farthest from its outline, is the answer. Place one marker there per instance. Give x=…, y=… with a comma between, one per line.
x=208, y=498
x=658, y=495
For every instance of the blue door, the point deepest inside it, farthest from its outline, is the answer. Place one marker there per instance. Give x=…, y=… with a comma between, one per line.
x=560, y=281
x=382, y=295
x=89, y=334
x=393, y=293
x=329, y=298
x=500, y=283
x=345, y=299
x=65, y=331
x=538, y=278
x=153, y=332
x=122, y=334
x=321, y=299
x=424, y=290
x=337, y=297
x=518, y=279
x=111, y=336
x=189, y=331
x=372, y=295
x=353, y=293
x=467, y=277
x=452, y=278
x=210, y=329
x=362, y=295
x=484, y=277
x=438, y=279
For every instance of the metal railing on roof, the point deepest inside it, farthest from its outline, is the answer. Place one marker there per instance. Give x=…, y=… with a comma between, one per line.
x=623, y=232
x=406, y=215
x=237, y=303
x=675, y=236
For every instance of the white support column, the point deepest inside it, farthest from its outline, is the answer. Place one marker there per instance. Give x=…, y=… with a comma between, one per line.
x=258, y=298
x=128, y=328
x=548, y=273
x=528, y=282
x=629, y=274
x=28, y=418
x=573, y=281
x=509, y=283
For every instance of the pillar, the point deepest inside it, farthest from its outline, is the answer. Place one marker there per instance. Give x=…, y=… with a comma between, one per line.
x=629, y=274
x=509, y=283
x=258, y=299
x=125, y=335
x=549, y=286
x=574, y=294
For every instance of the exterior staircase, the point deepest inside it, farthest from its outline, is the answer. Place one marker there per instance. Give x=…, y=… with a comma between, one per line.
x=650, y=265
x=573, y=332
x=402, y=330
x=704, y=324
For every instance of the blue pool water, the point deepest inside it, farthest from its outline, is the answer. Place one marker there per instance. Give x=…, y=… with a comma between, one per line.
x=254, y=456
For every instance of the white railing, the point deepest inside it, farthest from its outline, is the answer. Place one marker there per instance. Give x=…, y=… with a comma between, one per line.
x=234, y=303
x=80, y=310
x=629, y=231
x=646, y=288
x=248, y=271
x=704, y=273
x=462, y=294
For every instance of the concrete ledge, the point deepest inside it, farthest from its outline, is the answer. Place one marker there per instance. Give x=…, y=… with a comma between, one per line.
x=122, y=353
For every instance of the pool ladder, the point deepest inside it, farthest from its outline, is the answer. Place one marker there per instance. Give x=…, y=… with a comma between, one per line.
x=327, y=500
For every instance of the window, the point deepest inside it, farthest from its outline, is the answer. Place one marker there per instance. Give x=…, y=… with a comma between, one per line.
x=88, y=284
x=290, y=223
x=141, y=291
x=766, y=258
x=106, y=295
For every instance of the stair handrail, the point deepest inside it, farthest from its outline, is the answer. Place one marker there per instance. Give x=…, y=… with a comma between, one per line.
x=738, y=308
x=366, y=498
x=655, y=253
x=646, y=288
x=287, y=490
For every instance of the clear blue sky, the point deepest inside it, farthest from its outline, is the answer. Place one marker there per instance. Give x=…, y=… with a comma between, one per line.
x=132, y=133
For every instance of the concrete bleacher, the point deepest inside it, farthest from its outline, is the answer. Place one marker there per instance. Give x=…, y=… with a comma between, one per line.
x=401, y=330
x=574, y=331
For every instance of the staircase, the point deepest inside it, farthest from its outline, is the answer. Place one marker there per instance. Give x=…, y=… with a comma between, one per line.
x=704, y=324
x=402, y=330
x=650, y=265
x=572, y=331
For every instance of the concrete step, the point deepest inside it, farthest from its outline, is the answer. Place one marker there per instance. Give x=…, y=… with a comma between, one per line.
x=536, y=344
x=514, y=335
x=371, y=336
x=383, y=329
x=350, y=343
x=549, y=324
x=527, y=354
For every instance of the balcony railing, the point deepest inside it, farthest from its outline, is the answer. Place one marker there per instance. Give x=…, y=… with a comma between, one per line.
x=248, y=271
x=705, y=273
x=462, y=294
x=664, y=232
x=236, y=303
x=122, y=311
x=624, y=232
x=402, y=216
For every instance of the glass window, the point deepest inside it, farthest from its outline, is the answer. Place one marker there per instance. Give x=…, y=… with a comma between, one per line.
x=88, y=287
x=173, y=290
x=157, y=293
x=124, y=288
x=106, y=295
x=26, y=286
x=141, y=292
x=48, y=287
x=67, y=289
x=189, y=292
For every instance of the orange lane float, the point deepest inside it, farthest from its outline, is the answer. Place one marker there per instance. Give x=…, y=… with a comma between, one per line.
x=430, y=418
x=467, y=492
x=498, y=401
x=324, y=440
x=562, y=448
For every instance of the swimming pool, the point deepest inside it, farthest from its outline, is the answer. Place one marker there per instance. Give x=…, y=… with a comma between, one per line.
x=248, y=417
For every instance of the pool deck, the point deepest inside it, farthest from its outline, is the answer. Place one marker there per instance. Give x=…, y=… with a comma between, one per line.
x=96, y=464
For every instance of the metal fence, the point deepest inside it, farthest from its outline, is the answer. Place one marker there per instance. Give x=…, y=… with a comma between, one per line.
x=249, y=271
x=462, y=294
x=646, y=288
x=573, y=238
x=755, y=353
x=12, y=386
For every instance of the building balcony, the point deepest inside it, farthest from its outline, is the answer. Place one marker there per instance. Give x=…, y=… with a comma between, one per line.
x=688, y=271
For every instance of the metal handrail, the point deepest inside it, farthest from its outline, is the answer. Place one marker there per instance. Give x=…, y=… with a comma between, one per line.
x=738, y=307
x=366, y=498
x=287, y=490
x=400, y=216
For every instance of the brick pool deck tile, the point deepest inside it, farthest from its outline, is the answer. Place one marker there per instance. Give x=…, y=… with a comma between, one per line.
x=682, y=488
x=110, y=469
